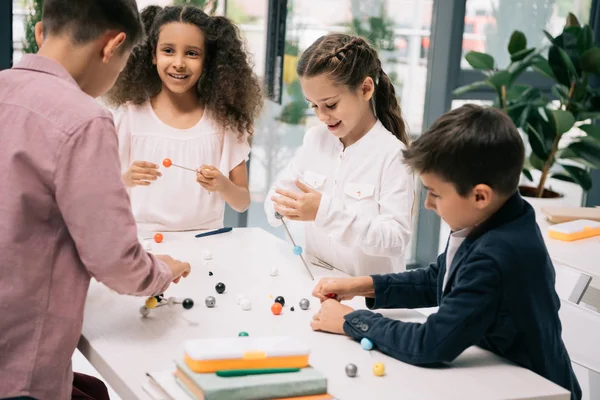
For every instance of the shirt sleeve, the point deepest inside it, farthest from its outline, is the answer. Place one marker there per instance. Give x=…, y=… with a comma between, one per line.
x=235, y=151
x=464, y=316
x=388, y=233
x=123, y=128
x=286, y=179
x=411, y=289
x=95, y=207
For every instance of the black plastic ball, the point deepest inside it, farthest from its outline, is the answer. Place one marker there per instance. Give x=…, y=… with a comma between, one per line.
x=220, y=287
x=280, y=300
x=188, y=303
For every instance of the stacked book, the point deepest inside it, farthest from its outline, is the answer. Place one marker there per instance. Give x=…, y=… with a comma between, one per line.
x=248, y=368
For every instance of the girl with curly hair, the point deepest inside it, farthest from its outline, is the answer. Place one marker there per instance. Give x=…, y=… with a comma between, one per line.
x=347, y=181
x=188, y=93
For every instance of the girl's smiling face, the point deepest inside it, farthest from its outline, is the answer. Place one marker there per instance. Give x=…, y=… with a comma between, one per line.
x=346, y=112
x=179, y=57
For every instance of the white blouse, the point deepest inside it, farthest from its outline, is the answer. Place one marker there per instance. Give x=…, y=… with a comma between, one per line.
x=175, y=201
x=363, y=224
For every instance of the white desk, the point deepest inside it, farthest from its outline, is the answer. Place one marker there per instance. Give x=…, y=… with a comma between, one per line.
x=122, y=346
x=581, y=254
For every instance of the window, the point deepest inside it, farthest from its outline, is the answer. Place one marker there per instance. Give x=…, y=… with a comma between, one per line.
x=19, y=13
x=489, y=23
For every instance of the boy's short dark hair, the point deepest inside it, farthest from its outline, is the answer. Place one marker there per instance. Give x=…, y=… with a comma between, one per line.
x=86, y=20
x=468, y=146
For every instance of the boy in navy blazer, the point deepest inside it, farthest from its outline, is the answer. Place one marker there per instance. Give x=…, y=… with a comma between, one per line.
x=494, y=284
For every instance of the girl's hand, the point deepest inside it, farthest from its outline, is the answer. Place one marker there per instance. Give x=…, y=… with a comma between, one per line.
x=343, y=288
x=141, y=173
x=298, y=206
x=330, y=317
x=211, y=179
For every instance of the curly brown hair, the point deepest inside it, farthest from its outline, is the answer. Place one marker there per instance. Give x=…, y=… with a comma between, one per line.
x=348, y=60
x=228, y=88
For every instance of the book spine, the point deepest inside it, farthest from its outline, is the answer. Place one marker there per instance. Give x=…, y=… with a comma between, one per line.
x=271, y=391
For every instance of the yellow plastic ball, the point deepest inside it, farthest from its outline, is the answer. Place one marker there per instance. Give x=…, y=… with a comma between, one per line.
x=379, y=369
x=151, y=303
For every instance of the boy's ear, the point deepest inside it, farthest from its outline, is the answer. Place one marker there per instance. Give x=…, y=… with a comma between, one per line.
x=39, y=34
x=482, y=195
x=112, y=46
x=367, y=88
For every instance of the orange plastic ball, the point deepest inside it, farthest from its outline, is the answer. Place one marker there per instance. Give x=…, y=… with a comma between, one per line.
x=158, y=237
x=167, y=162
x=276, y=308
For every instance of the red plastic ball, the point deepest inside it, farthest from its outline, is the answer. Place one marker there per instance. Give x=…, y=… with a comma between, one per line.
x=276, y=308
x=158, y=237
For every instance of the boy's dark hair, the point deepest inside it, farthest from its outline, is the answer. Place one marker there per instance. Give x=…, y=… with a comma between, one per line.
x=348, y=60
x=228, y=86
x=468, y=146
x=86, y=20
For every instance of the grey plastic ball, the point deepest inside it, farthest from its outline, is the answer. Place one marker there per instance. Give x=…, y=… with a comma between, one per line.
x=351, y=370
x=210, y=301
x=304, y=304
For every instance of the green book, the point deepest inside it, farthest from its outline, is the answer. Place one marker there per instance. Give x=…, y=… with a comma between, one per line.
x=305, y=382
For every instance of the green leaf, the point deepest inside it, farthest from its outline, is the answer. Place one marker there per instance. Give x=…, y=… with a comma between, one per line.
x=580, y=176
x=518, y=67
x=516, y=91
x=517, y=43
x=473, y=86
x=537, y=142
x=591, y=130
x=568, y=63
x=588, y=115
x=499, y=79
x=590, y=60
x=541, y=65
x=563, y=177
x=519, y=55
x=561, y=91
x=536, y=162
x=585, y=40
x=564, y=121
x=549, y=36
x=572, y=21
x=586, y=151
x=480, y=61
x=527, y=174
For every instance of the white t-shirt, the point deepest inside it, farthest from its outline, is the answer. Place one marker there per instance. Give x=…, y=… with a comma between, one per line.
x=363, y=224
x=456, y=239
x=176, y=202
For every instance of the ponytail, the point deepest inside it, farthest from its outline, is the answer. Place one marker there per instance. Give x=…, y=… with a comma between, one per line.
x=387, y=108
x=148, y=15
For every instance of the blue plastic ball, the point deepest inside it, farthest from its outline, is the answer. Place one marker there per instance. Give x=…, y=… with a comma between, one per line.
x=297, y=250
x=366, y=344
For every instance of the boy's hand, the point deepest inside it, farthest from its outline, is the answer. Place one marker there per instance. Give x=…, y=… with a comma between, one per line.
x=178, y=268
x=141, y=173
x=211, y=179
x=343, y=288
x=298, y=206
x=330, y=317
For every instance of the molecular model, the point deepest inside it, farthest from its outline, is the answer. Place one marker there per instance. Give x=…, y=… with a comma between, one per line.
x=160, y=301
x=297, y=249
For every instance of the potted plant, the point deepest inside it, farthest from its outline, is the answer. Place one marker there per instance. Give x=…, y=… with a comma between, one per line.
x=34, y=15
x=570, y=60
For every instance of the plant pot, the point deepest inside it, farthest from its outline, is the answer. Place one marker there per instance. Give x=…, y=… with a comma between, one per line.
x=550, y=199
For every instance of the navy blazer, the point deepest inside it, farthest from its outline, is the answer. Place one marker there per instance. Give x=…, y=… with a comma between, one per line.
x=499, y=295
